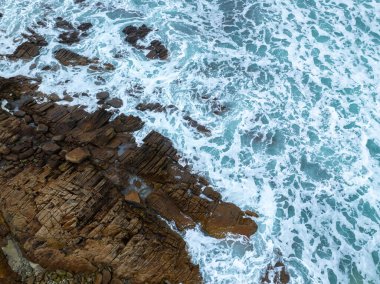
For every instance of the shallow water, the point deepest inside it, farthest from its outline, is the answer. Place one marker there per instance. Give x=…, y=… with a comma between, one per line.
x=299, y=142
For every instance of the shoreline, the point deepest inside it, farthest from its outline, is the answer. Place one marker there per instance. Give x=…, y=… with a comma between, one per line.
x=65, y=171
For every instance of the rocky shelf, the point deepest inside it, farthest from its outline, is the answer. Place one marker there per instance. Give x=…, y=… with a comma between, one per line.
x=79, y=198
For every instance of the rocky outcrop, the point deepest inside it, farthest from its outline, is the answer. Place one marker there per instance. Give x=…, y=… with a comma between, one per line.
x=71, y=35
x=68, y=199
x=276, y=274
x=135, y=34
x=29, y=49
x=69, y=58
x=12, y=88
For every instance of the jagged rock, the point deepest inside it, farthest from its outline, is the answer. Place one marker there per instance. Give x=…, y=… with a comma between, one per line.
x=156, y=161
x=73, y=216
x=13, y=87
x=276, y=274
x=63, y=24
x=193, y=123
x=160, y=202
x=69, y=38
x=136, y=33
x=69, y=58
x=78, y=155
x=210, y=193
x=29, y=49
x=156, y=107
x=85, y=26
x=157, y=50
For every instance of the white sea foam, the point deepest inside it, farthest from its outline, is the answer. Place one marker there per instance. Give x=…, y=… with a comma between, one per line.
x=300, y=80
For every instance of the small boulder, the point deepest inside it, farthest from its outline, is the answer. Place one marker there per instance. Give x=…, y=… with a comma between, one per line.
x=19, y=113
x=102, y=95
x=133, y=196
x=77, y=155
x=115, y=102
x=85, y=27
x=50, y=148
x=42, y=128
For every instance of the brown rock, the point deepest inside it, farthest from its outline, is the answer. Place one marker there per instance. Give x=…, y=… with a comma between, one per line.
x=156, y=107
x=42, y=128
x=50, y=148
x=4, y=150
x=116, y=281
x=58, y=138
x=74, y=217
x=98, y=278
x=160, y=202
x=106, y=277
x=115, y=102
x=136, y=33
x=54, y=98
x=29, y=49
x=201, y=128
x=210, y=193
x=69, y=38
x=14, y=87
x=19, y=113
x=228, y=218
x=77, y=155
x=276, y=274
x=67, y=98
x=69, y=58
x=102, y=95
x=133, y=196
x=85, y=26
x=63, y=24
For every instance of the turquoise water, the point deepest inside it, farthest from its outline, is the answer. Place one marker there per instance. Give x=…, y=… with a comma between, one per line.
x=299, y=142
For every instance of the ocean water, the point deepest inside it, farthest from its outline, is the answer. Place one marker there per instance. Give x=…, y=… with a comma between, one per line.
x=298, y=143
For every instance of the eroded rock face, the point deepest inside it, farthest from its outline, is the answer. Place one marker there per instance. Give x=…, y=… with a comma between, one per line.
x=66, y=209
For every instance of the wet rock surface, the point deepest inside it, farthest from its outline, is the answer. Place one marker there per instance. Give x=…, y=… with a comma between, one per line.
x=71, y=35
x=276, y=274
x=69, y=58
x=135, y=34
x=29, y=49
x=67, y=197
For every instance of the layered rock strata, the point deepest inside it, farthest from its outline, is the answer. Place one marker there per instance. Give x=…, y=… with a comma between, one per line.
x=69, y=200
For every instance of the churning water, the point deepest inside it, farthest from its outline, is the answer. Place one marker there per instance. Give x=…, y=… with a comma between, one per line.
x=299, y=141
